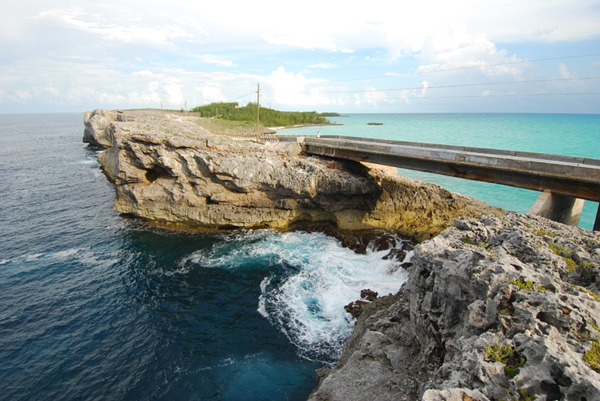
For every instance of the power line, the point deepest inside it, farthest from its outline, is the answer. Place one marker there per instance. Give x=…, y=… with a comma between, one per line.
x=465, y=85
x=467, y=67
x=491, y=95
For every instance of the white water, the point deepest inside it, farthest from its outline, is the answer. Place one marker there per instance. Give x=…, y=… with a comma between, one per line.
x=313, y=277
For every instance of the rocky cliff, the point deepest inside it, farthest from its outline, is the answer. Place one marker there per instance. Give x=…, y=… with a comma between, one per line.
x=495, y=309
x=170, y=170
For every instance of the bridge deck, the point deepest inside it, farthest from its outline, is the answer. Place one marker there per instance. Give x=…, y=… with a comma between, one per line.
x=564, y=175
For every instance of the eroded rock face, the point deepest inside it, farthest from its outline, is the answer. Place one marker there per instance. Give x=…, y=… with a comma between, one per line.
x=98, y=127
x=495, y=309
x=168, y=169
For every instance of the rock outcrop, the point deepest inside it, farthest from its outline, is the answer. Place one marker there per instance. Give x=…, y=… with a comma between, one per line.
x=495, y=309
x=170, y=170
x=98, y=127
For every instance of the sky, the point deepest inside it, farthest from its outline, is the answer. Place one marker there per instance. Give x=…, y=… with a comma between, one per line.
x=426, y=56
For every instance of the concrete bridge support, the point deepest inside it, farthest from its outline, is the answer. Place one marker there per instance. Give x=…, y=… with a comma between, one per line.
x=560, y=208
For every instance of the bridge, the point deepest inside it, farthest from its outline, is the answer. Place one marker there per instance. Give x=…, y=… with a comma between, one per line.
x=565, y=181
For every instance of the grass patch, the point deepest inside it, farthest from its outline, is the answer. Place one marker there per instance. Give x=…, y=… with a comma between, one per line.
x=560, y=250
x=571, y=265
x=544, y=233
x=484, y=245
x=527, y=285
x=592, y=356
x=520, y=396
x=269, y=117
x=586, y=265
x=589, y=292
x=506, y=354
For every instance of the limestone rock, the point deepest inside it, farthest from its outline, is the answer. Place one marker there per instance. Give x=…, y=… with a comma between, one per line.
x=98, y=127
x=169, y=170
x=521, y=287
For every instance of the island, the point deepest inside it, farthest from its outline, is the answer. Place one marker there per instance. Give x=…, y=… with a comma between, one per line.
x=497, y=306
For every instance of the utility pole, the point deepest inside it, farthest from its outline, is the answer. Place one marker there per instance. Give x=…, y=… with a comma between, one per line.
x=257, y=106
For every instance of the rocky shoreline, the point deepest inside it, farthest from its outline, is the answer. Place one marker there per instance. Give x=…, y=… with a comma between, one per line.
x=493, y=309
x=498, y=306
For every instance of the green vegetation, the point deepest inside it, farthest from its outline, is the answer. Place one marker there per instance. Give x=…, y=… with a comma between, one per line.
x=268, y=117
x=488, y=247
x=506, y=354
x=520, y=396
x=571, y=265
x=592, y=356
x=542, y=233
x=590, y=293
x=528, y=285
x=583, y=265
x=560, y=250
x=569, y=258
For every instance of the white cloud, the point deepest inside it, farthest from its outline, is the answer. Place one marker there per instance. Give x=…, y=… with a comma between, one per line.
x=374, y=97
x=424, y=90
x=23, y=95
x=289, y=89
x=301, y=39
x=323, y=65
x=212, y=59
x=211, y=94
x=565, y=73
x=52, y=90
x=123, y=28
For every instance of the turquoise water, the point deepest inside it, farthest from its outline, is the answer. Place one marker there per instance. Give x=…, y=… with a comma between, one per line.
x=564, y=134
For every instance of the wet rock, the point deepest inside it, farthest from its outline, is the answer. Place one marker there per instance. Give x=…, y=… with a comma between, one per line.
x=355, y=308
x=369, y=295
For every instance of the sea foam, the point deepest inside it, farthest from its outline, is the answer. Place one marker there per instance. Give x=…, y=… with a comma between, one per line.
x=311, y=278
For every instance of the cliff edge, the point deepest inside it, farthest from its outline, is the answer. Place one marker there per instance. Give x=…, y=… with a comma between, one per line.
x=494, y=309
x=168, y=169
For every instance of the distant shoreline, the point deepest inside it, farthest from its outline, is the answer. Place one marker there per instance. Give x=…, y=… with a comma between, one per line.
x=303, y=126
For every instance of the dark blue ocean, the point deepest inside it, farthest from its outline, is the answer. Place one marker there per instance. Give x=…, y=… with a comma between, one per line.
x=96, y=306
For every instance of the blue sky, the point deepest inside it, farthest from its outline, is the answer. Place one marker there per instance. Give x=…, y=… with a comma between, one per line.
x=346, y=56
